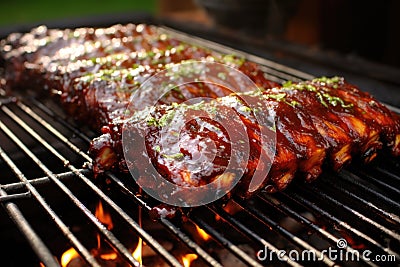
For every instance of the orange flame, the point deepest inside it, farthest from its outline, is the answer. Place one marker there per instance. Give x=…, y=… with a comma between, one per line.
x=203, y=234
x=232, y=207
x=188, y=258
x=68, y=256
x=137, y=254
x=103, y=217
x=41, y=264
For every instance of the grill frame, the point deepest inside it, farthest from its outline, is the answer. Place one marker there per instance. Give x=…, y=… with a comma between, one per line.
x=10, y=193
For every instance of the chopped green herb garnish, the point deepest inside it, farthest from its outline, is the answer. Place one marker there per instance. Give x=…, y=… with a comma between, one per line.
x=180, y=48
x=213, y=110
x=166, y=118
x=233, y=60
x=174, y=156
x=310, y=88
x=329, y=81
x=222, y=75
x=152, y=121
x=245, y=109
x=277, y=97
x=151, y=54
x=197, y=106
x=293, y=103
x=287, y=84
x=334, y=101
x=321, y=99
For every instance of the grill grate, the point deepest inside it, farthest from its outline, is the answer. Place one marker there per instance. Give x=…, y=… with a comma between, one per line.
x=358, y=204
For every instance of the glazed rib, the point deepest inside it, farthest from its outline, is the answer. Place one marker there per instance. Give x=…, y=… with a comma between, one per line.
x=371, y=123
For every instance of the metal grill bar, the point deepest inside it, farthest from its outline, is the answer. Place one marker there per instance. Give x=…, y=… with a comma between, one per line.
x=51, y=130
x=391, y=175
x=364, y=218
x=243, y=256
x=23, y=225
x=373, y=180
x=143, y=234
x=6, y=197
x=333, y=240
x=190, y=243
x=67, y=233
x=47, y=111
x=240, y=227
x=323, y=233
x=255, y=213
x=353, y=179
x=43, y=180
x=366, y=203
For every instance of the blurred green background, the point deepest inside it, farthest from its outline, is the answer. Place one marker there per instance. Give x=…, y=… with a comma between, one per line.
x=21, y=11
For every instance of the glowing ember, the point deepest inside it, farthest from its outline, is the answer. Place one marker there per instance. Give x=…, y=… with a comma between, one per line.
x=109, y=257
x=68, y=256
x=188, y=258
x=137, y=254
x=103, y=217
x=231, y=207
x=203, y=234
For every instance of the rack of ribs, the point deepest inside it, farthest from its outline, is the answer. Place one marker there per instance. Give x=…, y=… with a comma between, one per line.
x=95, y=71
x=326, y=121
x=316, y=122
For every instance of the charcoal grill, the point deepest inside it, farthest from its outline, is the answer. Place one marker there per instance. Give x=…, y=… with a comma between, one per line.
x=50, y=198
